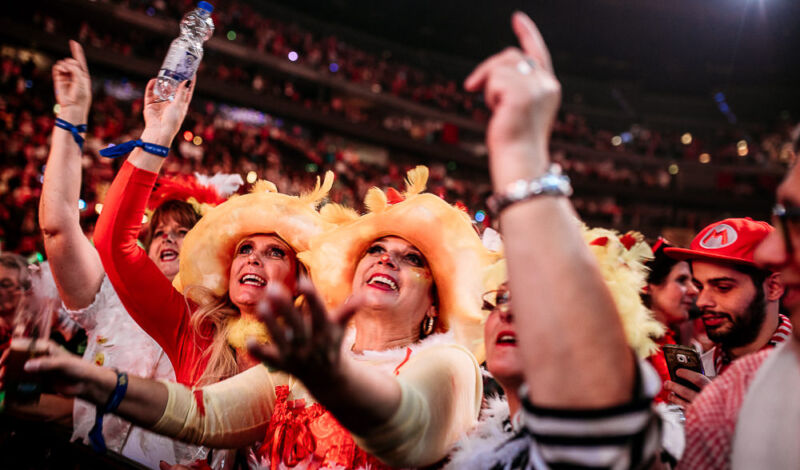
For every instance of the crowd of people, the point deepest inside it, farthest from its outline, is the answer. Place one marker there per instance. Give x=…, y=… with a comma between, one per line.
x=363, y=317
x=381, y=72
x=227, y=139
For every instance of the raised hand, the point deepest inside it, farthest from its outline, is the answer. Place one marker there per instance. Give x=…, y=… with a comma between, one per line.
x=307, y=346
x=524, y=95
x=73, y=87
x=163, y=118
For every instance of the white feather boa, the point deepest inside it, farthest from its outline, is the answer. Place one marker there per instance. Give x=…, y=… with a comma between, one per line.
x=479, y=448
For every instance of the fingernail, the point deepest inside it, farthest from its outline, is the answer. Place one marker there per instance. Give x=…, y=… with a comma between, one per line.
x=188, y=83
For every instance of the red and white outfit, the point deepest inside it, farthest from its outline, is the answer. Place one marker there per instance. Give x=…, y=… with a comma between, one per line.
x=712, y=417
x=149, y=297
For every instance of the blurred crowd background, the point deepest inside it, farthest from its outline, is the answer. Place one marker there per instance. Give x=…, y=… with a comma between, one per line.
x=286, y=91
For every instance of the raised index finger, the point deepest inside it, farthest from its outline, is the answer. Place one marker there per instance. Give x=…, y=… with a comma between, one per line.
x=77, y=54
x=530, y=39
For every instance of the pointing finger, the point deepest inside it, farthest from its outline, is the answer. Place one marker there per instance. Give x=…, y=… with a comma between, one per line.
x=77, y=53
x=530, y=39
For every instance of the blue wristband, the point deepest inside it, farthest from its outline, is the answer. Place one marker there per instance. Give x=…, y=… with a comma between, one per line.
x=122, y=149
x=75, y=130
x=96, y=434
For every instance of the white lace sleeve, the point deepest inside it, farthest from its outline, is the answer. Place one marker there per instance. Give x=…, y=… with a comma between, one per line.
x=87, y=317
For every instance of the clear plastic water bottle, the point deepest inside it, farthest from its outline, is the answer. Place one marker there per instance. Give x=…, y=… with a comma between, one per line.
x=186, y=51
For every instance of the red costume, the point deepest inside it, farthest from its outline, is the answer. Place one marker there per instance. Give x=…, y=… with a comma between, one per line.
x=161, y=311
x=659, y=363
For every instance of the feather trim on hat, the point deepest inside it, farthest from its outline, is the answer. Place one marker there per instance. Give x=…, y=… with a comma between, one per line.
x=375, y=200
x=264, y=186
x=320, y=191
x=416, y=180
x=184, y=188
x=338, y=214
x=625, y=274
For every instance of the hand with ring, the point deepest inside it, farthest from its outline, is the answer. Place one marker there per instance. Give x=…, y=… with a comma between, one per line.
x=306, y=342
x=524, y=95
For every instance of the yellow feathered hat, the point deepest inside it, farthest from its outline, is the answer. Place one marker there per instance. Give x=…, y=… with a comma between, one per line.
x=441, y=232
x=208, y=248
x=621, y=260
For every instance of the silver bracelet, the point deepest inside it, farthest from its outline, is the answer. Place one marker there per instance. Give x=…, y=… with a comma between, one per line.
x=552, y=183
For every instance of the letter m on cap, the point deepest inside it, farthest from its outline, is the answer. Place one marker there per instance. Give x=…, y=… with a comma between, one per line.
x=719, y=237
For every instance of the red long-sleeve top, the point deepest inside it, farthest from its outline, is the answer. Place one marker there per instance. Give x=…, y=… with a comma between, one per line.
x=161, y=311
x=659, y=363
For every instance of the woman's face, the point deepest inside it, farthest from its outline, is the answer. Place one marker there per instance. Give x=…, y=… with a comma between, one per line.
x=165, y=247
x=257, y=261
x=10, y=291
x=394, y=277
x=500, y=339
x=672, y=299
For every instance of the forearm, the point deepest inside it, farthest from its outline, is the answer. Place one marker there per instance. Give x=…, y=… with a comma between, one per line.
x=360, y=397
x=147, y=161
x=571, y=337
x=441, y=390
x=58, y=207
x=144, y=402
x=74, y=262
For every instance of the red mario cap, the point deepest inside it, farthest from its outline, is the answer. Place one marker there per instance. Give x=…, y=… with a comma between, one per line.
x=730, y=240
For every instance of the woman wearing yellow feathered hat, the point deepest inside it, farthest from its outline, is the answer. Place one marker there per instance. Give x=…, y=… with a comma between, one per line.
x=226, y=260
x=397, y=388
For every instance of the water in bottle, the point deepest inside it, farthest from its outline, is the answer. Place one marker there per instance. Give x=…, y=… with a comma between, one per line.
x=186, y=51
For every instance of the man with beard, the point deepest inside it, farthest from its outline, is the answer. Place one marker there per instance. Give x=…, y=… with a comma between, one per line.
x=747, y=418
x=739, y=301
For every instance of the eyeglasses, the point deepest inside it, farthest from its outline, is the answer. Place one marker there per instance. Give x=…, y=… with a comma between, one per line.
x=499, y=299
x=783, y=217
x=7, y=285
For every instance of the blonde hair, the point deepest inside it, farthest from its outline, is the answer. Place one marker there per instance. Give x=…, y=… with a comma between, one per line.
x=215, y=315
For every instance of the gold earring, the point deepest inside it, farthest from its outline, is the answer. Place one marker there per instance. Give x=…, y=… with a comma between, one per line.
x=427, y=325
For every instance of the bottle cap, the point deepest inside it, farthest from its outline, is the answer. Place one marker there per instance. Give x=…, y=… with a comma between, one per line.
x=205, y=6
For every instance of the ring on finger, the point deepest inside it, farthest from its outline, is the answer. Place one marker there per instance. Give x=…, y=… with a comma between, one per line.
x=526, y=65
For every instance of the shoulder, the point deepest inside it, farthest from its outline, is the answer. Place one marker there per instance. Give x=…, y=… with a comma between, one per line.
x=445, y=355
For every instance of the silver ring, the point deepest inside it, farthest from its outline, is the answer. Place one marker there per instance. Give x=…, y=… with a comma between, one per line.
x=526, y=65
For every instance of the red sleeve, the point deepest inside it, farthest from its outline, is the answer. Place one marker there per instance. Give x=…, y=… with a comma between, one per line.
x=145, y=292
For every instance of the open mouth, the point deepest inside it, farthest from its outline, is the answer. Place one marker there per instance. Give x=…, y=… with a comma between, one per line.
x=253, y=280
x=382, y=282
x=506, y=338
x=168, y=255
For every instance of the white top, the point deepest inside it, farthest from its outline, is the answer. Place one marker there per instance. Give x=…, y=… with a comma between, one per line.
x=115, y=340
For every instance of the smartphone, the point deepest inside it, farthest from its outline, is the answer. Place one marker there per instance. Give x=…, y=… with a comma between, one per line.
x=682, y=357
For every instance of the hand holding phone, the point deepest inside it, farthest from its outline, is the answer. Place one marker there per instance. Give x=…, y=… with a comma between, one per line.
x=682, y=357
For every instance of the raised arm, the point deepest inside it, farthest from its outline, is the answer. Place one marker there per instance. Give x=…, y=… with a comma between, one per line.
x=147, y=294
x=571, y=337
x=75, y=264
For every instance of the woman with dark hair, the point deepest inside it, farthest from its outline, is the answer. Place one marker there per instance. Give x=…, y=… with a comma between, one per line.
x=670, y=294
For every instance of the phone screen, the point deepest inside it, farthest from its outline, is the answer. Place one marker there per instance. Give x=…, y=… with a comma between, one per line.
x=682, y=357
